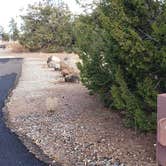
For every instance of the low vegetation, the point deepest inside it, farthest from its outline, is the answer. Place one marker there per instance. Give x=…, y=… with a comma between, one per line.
x=4, y=36
x=123, y=52
x=16, y=47
x=47, y=27
x=121, y=44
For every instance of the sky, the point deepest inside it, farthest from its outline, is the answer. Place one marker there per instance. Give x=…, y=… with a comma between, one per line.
x=11, y=8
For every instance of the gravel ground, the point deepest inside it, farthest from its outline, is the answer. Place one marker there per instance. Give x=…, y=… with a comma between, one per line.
x=75, y=129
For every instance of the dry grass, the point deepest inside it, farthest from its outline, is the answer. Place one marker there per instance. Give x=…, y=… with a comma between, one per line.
x=66, y=67
x=51, y=104
x=16, y=47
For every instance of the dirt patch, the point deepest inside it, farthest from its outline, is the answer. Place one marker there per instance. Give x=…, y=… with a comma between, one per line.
x=81, y=132
x=42, y=55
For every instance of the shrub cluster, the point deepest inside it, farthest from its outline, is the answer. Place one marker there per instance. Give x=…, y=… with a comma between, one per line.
x=123, y=54
x=47, y=27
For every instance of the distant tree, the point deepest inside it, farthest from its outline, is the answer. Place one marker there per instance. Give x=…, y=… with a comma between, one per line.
x=47, y=26
x=14, y=32
x=3, y=35
x=1, y=32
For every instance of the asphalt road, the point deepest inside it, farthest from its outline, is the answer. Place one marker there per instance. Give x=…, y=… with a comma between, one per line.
x=12, y=151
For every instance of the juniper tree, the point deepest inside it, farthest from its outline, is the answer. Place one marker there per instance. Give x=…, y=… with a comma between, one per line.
x=123, y=56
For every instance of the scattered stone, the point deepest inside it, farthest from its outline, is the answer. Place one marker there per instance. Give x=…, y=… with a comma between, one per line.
x=116, y=163
x=65, y=72
x=66, y=58
x=78, y=132
x=54, y=62
x=66, y=66
x=72, y=78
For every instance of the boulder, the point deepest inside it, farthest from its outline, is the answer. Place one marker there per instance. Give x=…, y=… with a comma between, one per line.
x=54, y=65
x=54, y=62
x=49, y=59
x=65, y=72
x=66, y=67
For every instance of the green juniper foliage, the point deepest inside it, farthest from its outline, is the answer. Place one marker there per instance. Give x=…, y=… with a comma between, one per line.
x=123, y=52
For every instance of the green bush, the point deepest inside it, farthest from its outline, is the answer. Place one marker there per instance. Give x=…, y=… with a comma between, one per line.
x=47, y=27
x=123, y=54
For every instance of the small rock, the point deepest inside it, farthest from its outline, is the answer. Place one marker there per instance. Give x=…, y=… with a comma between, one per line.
x=108, y=163
x=72, y=78
x=116, y=164
x=66, y=58
x=122, y=164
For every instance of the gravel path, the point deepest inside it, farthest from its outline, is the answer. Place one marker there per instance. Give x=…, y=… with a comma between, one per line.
x=75, y=130
x=12, y=151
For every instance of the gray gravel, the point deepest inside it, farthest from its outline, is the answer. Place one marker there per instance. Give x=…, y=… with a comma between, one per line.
x=76, y=130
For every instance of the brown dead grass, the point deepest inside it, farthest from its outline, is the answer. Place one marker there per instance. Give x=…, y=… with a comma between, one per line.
x=16, y=47
x=67, y=68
